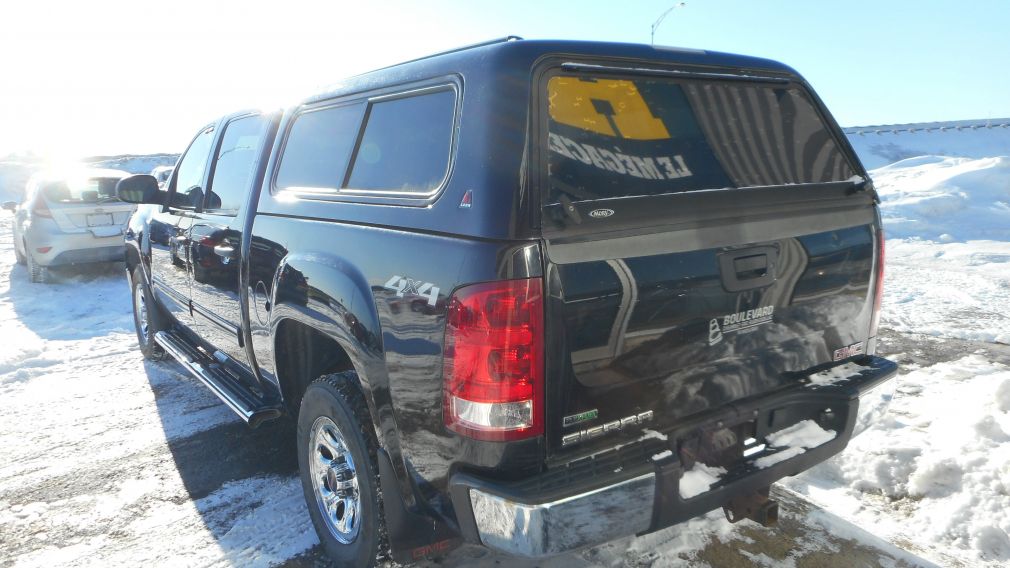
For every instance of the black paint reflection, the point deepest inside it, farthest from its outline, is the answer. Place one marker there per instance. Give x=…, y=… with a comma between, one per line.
x=651, y=332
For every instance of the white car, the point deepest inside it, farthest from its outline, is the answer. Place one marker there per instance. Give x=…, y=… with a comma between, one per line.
x=69, y=218
x=162, y=173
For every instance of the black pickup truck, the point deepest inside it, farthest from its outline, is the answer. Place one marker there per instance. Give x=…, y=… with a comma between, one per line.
x=534, y=295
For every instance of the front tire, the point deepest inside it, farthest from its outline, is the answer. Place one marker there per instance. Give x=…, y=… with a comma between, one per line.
x=146, y=318
x=336, y=458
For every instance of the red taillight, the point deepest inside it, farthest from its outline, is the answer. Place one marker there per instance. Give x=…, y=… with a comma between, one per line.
x=41, y=208
x=493, y=361
x=879, y=292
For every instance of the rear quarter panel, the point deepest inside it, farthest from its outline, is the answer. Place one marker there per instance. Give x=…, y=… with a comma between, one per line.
x=348, y=281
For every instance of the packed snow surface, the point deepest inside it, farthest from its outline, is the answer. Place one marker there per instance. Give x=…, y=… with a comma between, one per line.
x=954, y=290
x=87, y=432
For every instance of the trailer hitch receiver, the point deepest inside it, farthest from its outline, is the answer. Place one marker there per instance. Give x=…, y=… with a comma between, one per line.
x=756, y=507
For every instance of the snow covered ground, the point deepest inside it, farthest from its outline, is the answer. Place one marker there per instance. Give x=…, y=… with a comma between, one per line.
x=935, y=474
x=88, y=435
x=947, y=222
x=108, y=460
x=936, y=471
x=104, y=457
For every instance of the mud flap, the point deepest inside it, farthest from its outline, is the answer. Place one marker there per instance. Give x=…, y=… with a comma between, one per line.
x=412, y=536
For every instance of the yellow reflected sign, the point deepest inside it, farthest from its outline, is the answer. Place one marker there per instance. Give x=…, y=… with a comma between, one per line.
x=612, y=107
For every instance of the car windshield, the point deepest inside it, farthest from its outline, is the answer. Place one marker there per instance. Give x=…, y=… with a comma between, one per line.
x=86, y=190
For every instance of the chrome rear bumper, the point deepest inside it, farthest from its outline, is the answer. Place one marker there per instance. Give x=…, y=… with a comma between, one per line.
x=545, y=529
x=636, y=488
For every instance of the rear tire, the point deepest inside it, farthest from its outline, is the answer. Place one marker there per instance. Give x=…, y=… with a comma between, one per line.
x=337, y=461
x=146, y=318
x=37, y=273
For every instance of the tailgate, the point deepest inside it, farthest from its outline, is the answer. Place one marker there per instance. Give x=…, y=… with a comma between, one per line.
x=707, y=241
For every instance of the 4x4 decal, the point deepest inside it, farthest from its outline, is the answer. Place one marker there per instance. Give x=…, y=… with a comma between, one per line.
x=404, y=286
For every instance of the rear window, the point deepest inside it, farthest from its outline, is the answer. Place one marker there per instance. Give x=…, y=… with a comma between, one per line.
x=399, y=146
x=610, y=137
x=318, y=148
x=91, y=190
x=406, y=143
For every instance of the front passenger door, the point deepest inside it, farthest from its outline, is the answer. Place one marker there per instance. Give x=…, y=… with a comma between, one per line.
x=217, y=234
x=169, y=228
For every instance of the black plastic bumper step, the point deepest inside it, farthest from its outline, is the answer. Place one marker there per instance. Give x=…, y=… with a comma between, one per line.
x=227, y=387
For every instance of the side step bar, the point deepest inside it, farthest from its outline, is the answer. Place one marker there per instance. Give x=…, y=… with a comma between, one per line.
x=228, y=388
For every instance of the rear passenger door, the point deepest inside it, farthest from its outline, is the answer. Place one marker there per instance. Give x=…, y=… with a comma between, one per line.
x=216, y=237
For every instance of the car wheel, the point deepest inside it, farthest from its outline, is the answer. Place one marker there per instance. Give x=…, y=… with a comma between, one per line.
x=37, y=273
x=20, y=256
x=146, y=318
x=336, y=457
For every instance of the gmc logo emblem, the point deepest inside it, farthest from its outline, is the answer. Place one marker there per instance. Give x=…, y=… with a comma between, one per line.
x=850, y=351
x=429, y=549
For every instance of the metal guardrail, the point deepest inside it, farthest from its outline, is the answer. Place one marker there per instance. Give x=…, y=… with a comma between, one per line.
x=959, y=126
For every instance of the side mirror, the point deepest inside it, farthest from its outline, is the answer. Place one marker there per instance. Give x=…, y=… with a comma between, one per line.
x=141, y=189
x=191, y=198
x=10, y=205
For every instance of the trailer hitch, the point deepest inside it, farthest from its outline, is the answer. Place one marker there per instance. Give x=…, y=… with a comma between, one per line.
x=756, y=507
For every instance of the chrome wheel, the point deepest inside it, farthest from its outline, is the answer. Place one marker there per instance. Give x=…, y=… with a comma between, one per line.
x=140, y=308
x=334, y=480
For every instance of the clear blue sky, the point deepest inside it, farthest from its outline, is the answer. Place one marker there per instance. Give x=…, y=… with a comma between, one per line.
x=872, y=61
x=116, y=76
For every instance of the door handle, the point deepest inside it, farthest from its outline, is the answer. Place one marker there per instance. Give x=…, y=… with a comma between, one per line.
x=752, y=266
x=224, y=251
x=746, y=269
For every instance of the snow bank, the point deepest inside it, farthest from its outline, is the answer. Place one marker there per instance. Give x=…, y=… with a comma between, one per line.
x=936, y=471
x=881, y=145
x=946, y=199
x=947, y=222
x=133, y=163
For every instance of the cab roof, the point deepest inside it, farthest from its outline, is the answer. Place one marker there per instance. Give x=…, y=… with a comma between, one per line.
x=513, y=55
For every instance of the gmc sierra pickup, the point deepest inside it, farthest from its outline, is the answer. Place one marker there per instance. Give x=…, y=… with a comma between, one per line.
x=534, y=295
